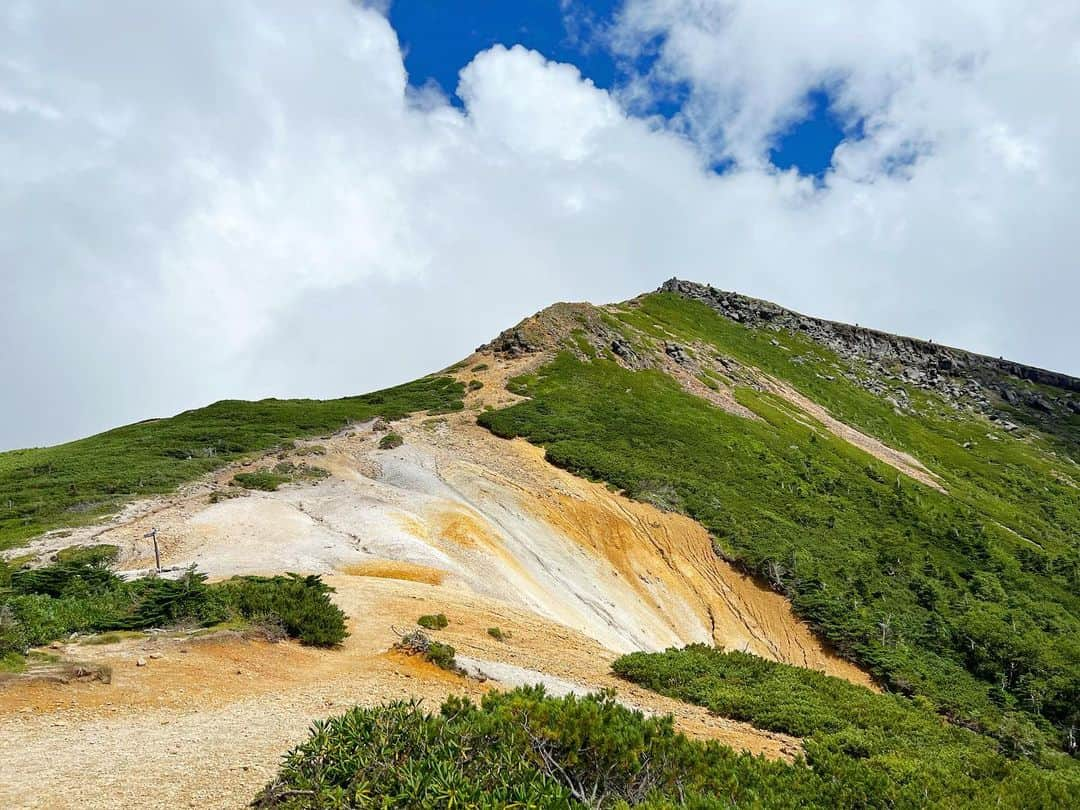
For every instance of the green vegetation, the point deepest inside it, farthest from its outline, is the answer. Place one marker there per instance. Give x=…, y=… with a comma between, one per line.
x=887, y=750
x=78, y=482
x=971, y=598
x=83, y=595
x=480, y=367
x=496, y=634
x=12, y=663
x=475, y=385
x=442, y=656
x=284, y=472
x=525, y=749
x=301, y=603
x=102, y=554
x=437, y=621
x=261, y=479
x=418, y=643
x=517, y=749
x=390, y=441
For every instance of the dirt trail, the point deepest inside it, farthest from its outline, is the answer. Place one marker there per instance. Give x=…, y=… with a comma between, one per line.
x=206, y=727
x=897, y=459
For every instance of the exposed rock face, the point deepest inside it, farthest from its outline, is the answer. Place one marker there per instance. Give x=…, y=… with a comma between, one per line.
x=676, y=353
x=513, y=343
x=965, y=379
x=621, y=348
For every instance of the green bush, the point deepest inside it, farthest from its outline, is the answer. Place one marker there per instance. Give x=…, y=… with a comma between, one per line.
x=418, y=643
x=496, y=633
x=261, y=479
x=524, y=749
x=437, y=621
x=889, y=750
x=475, y=385
x=12, y=638
x=102, y=554
x=390, y=441
x=302, y=603
x=48, y=603
x=480, y=367
x=442, y=656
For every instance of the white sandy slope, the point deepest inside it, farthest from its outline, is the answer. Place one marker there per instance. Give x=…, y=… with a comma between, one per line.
x=470, y=511
x=455, y=520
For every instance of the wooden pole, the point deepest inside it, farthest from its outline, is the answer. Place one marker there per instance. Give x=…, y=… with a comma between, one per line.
x=157, y=557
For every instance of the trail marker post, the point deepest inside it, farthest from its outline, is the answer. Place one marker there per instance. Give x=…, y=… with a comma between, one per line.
x=157, y=557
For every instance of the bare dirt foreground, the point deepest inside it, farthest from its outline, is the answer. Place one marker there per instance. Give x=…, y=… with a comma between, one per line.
x=453, y=521
x=204, y=724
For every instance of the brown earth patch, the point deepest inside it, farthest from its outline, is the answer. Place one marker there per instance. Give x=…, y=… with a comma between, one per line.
x=396, y=569
x=205, y=724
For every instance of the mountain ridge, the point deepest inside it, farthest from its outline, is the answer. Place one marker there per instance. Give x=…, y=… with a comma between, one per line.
x=768, y=311
x=600, y=480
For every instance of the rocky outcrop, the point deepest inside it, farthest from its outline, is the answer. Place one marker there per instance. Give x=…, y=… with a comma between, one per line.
x=965, y=379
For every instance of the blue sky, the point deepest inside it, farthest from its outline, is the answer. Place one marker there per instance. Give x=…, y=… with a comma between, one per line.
x=439, y=38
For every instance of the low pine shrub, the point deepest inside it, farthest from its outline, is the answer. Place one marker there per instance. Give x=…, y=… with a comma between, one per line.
x=262, y=479
x=418, y=643
x=437, y=621
x=526, y=749
x=390, y=441
x=43, y=604
x=101, y=555
x=302, y=603
x=442, y=656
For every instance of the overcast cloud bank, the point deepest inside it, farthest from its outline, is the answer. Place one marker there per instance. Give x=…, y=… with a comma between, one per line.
x=205, y=200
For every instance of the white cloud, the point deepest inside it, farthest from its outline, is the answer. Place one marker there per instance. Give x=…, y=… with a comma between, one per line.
x=207, y=200
x=533, y=106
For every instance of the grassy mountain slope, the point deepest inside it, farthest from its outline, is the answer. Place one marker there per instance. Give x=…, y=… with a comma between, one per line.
x=78, y=482
x=918, y=505
x=883, y=749
x=970, y=597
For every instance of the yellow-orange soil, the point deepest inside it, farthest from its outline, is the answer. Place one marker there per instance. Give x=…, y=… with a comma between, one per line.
x=205, y=724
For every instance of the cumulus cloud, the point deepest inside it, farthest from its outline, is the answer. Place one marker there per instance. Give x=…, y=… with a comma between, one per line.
x=205, y=200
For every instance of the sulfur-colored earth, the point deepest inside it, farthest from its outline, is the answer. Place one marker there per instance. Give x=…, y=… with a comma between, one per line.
x=454, y=521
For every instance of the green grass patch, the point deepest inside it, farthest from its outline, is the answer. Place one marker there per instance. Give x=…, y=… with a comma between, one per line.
x=78, y=482
x=112, y=637
x=12, y=663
